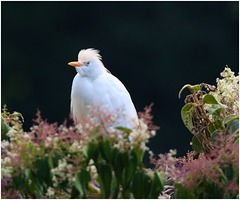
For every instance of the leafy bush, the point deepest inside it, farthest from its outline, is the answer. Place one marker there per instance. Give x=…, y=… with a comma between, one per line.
x=82, y=161
x=211, y=170
x=90, y=160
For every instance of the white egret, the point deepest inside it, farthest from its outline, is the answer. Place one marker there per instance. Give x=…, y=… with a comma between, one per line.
x=94, y=85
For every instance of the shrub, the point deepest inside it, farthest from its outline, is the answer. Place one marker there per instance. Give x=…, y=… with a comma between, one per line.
x=211, y=170
x=91, y=160
x=80, y=161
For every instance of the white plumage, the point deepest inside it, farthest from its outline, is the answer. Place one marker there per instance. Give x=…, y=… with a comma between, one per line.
x=94, y=85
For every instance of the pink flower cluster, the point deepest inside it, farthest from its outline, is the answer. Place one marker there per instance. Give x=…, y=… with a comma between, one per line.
x=224, y=155
x=191, y=172
x=66, y=141
x=7, y=192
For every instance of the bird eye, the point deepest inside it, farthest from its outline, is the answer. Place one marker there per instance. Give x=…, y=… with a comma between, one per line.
x=88, y=63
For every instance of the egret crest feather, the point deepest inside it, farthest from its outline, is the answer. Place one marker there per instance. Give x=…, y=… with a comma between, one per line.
x=86, y=54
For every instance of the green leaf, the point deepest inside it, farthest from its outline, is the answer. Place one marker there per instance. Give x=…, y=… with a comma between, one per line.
x=91, y=151
x=230, y=118
x=196, y=145
x=4, y=129
x=55, y=160
x=210, y=99
x=117, y=165
x=77, y=183
x=74, y=193
x=223, y=177
x=228, y=171
x=126, y=165
x=41, y=169
x=42, y=174
x=16, y=114
x=126, y=194
x=139, y=153
x=130, y=170
x=233, y=127
x=29, y=186
x=157, y=185
x=215, y=109
x=181, y=192
x=219, y=124
x=81, y=182
x=95, y=130
x=105, y=179
x=18, y=183
x=125, y=159
x=4, y=115
x=50, y=162
x=34, y=188
x=114, y=188
x=186, y=114
x=106, y=150
x=215, y=135
x=236, y=140
x=141, y=185
x=211, y=128
x=123, y=129
x=190, y=87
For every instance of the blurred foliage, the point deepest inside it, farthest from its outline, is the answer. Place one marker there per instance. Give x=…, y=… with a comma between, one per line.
x=71, y=162
x=89, y=161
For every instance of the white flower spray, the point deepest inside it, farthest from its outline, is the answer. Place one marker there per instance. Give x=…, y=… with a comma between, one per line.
x=228, y=91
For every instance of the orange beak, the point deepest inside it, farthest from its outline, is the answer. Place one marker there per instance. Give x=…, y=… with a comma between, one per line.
x=76, y=64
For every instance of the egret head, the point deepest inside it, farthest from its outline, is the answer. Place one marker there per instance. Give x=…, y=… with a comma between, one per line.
x=89, y=63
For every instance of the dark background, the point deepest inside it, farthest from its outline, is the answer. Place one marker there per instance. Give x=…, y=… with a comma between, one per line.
x=154, y=48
